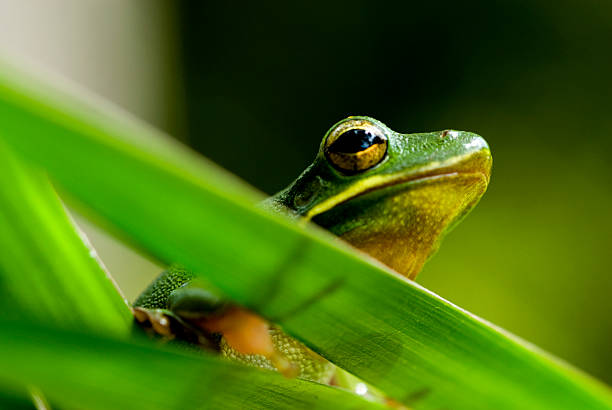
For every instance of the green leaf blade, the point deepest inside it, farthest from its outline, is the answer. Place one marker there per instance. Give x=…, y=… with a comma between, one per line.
x=85, y=371
x=46, y=271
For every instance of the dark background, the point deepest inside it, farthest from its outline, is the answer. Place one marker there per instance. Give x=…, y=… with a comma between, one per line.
x=263, y=81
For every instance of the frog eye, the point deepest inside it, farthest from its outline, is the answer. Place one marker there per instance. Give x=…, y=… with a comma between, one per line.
x=355, y=145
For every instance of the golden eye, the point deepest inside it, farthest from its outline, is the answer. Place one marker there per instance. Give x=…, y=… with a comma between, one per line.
x=355, y=146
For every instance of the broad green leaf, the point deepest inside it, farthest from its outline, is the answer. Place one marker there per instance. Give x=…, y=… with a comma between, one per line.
x=410, y=343
x=46, y=270
x=82, y=371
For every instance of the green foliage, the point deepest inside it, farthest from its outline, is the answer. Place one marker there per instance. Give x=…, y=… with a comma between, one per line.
x=47, y=273
x=406, y=341
x=79, y=370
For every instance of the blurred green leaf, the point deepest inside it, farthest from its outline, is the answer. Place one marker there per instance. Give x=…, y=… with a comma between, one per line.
x=15, y=399
x=396, y=335
x=46, y=271
x=78, y=370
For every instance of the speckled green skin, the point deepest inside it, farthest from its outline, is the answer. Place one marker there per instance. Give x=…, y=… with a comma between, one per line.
x=310, y=365
x=396, y=211
x=156, y=295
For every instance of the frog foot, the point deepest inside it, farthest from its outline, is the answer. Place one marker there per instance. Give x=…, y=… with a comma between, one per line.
x=248, y=334
x=164, y=323
x=250, y=339
x=155, y=321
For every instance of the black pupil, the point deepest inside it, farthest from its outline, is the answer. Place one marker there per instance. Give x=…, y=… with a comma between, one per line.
x=355, y=140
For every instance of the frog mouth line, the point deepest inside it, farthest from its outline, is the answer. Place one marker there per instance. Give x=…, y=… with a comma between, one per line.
x=475, y=164
x=425, y=177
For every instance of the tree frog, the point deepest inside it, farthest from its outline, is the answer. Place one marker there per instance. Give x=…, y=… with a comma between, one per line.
x=391, y=195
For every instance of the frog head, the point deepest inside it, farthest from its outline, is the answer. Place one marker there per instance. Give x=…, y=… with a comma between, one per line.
x=391, y=195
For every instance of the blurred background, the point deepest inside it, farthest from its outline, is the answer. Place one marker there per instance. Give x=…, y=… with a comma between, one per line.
x=255, y=85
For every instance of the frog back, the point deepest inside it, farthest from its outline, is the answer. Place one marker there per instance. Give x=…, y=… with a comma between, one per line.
x=156, y=295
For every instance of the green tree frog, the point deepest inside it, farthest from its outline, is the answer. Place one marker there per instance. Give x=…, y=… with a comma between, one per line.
x=390, y=195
